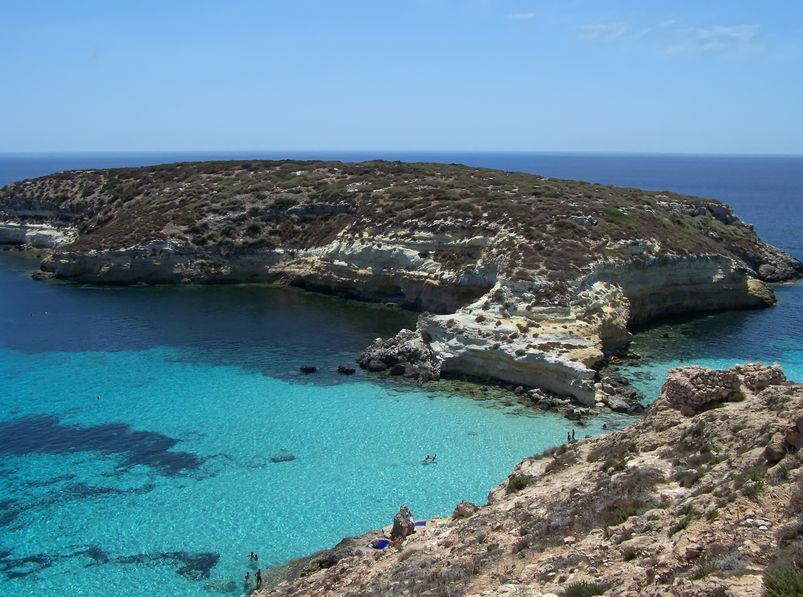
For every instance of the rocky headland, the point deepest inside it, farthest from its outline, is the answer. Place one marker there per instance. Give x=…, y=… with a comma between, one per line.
x=521, y=279
x=701, y=497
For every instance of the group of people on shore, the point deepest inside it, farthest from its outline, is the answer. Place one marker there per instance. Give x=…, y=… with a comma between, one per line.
x=257, y=578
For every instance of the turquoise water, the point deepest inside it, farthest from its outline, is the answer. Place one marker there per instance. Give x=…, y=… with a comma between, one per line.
x=165, y=483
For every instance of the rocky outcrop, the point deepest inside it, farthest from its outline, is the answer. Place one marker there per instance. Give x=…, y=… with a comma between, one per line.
x=693, y=389
x=37, y=236
x=406, y=354
x=675, y=504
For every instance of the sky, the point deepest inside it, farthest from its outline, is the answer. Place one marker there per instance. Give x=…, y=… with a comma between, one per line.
x=714, y=76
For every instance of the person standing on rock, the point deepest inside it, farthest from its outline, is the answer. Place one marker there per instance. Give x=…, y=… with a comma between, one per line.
x=573, y=435
x=258, y=577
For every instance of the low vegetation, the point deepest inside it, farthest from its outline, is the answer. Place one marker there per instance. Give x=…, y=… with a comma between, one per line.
x=302, y=204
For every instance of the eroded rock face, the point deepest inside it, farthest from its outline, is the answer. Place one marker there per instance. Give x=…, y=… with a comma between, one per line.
x=757, y=376
x=692, y=389
x=38, y=236
x=671, y=505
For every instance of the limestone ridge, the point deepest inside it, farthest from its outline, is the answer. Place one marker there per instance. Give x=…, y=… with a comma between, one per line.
x=702, y=496
x=524, y=279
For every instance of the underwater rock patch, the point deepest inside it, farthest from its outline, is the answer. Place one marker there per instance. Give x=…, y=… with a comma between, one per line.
x=44, y=434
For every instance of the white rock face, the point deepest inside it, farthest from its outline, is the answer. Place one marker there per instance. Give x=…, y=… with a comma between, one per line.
x=39, y=236
x=501, y=336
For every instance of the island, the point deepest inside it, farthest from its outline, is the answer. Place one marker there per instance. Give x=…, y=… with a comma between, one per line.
x=519, y=278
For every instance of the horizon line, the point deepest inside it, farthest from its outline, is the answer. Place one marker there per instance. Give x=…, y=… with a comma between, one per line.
x=400, y=151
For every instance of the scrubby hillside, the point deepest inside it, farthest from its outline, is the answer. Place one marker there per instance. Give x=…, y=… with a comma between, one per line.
x=552, y=229
x=702, y=497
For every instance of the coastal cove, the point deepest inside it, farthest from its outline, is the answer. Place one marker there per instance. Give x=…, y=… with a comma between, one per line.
x=202, y=385
x=168, y=479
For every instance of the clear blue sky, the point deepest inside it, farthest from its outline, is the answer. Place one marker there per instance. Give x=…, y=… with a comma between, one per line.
x=716, y=76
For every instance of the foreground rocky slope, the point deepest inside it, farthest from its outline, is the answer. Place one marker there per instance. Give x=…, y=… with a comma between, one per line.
x=532, y=280
x=704, y=496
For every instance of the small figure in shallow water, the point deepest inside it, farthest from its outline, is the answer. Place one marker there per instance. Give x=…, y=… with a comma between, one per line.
x=568, y=437
x=604, y=425
x=258, y=576
x=247, y=581
x=572, y=434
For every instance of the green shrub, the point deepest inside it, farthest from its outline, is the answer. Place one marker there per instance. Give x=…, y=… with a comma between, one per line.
x=629, y=553
x=783, y=582
x=680, y=525
x=620, y=515
x=615, y=464
x=283, y=203
x=584, y=589
x=701, y=571
x=517, y=483
x=619, y=217
x=253, y=230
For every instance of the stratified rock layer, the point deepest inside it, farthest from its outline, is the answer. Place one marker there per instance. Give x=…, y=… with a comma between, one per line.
x=696, y=503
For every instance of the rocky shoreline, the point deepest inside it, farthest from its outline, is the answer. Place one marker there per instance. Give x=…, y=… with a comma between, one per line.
x=521, y=280
x=701, y=497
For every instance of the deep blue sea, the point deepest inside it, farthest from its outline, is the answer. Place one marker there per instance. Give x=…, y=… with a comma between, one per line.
x=150, y=438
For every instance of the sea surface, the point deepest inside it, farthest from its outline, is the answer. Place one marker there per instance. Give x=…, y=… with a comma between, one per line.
x=150, y=438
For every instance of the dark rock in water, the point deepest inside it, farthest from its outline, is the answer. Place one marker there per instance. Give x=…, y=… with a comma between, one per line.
x=221, y=586
x=194, y=566
x=45, y=434
x=40, y=275
x=616, y=393
x=407, y=348
x=573, y=414
x=346, y=369
x=375, y=365
x=308, y=369
x=283, y=458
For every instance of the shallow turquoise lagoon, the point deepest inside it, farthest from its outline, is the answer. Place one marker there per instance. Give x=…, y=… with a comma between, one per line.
x=138, y=428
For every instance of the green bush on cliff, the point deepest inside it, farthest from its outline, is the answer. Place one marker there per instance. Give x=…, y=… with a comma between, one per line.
x=584, y=589
x=517, y=483
x=783, y=582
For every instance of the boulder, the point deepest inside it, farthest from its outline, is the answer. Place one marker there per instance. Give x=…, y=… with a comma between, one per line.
x=794, y=434
x=694, y=389
x=397, y=369
x=407, y=353
x=346, y=369
x=756, y=376
x=464, y=509
x=775, y=450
